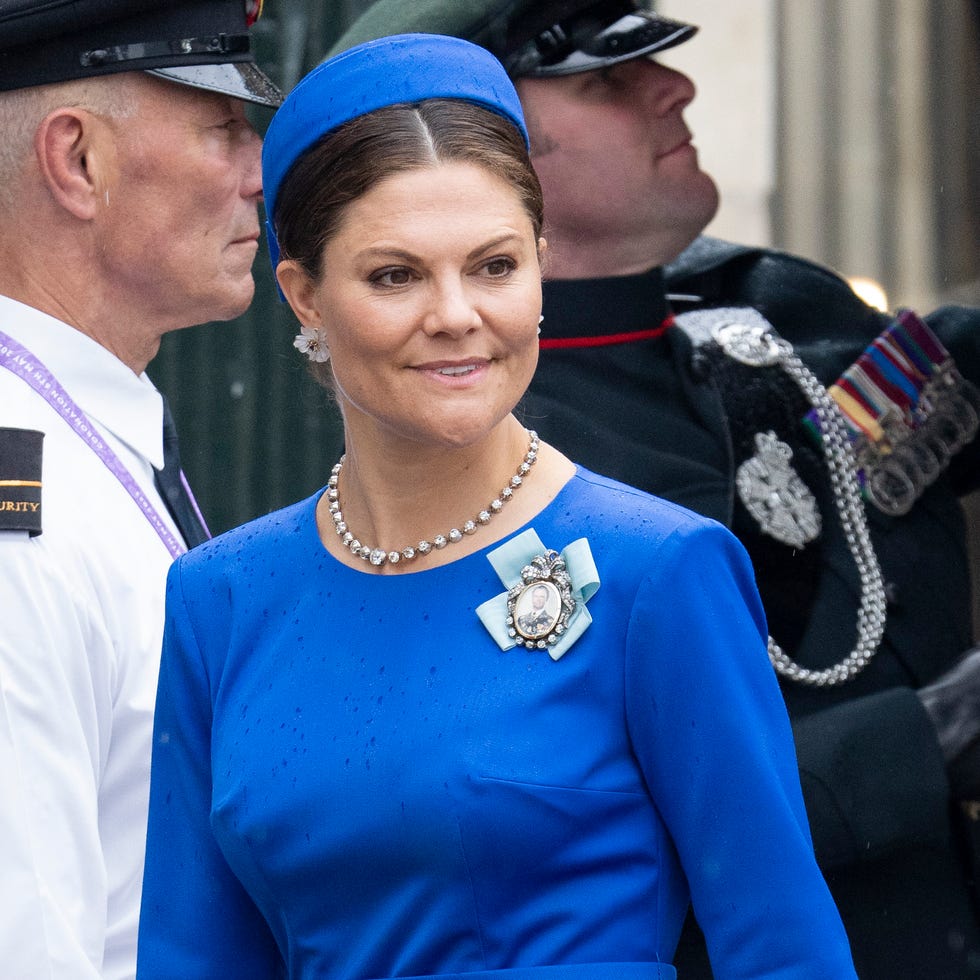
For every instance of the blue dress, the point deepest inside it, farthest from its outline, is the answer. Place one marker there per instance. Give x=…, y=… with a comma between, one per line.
x=352, y=780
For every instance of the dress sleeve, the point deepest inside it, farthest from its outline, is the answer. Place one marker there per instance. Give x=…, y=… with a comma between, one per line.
x=713, y=738
x=197, y=921
x=55, y=684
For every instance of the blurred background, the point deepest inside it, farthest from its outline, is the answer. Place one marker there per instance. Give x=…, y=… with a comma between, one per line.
x=845, y=132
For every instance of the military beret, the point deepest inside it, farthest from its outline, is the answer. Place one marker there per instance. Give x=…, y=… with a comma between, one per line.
x=202, y=43
x=532, y=38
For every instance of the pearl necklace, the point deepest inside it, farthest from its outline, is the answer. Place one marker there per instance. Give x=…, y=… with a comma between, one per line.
x=378, y=556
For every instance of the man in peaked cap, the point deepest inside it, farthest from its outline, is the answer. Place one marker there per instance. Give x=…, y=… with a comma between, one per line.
x=878, y=671
x=129, y=186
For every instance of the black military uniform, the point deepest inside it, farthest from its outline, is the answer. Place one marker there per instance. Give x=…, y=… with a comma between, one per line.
x=652, y=412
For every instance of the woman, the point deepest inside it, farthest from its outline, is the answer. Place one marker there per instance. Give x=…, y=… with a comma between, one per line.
x=363, y=767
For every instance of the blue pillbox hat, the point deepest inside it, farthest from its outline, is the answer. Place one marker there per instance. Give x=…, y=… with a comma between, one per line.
x=403, y=68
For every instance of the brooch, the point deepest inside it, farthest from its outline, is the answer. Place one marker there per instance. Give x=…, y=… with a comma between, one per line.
x=539, y=608
x=544, y=605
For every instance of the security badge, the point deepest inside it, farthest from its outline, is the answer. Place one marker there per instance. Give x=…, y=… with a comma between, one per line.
x=20, y=480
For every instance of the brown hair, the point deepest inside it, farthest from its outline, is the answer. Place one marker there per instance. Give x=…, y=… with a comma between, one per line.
x=352, y=159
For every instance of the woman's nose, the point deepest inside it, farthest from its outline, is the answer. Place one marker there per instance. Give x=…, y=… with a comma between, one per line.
x=451, y=310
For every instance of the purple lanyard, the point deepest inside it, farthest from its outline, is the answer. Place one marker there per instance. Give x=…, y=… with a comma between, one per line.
x=25, y=365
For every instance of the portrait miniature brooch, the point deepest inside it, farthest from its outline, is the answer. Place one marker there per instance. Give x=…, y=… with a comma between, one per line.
x=544, y=605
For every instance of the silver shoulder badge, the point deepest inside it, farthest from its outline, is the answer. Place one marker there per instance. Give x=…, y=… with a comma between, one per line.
x=772, y=491
x=749, y=344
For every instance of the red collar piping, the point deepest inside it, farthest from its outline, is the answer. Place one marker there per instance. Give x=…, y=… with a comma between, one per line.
x=606, y=340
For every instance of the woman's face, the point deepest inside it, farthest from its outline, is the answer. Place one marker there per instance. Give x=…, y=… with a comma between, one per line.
x=429, y=299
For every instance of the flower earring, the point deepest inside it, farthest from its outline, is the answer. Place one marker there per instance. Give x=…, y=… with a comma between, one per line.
x=309, y=341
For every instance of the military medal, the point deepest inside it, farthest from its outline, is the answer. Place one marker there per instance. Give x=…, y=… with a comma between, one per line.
x=908, y=411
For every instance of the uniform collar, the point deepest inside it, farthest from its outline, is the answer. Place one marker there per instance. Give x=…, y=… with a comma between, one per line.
x=118, y=401
x=601, y=307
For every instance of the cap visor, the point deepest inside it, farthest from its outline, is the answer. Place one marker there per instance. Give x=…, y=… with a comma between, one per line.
x=636, y=35
x=241, y=80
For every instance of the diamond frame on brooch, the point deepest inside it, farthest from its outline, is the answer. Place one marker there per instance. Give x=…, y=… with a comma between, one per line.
x=548, y=570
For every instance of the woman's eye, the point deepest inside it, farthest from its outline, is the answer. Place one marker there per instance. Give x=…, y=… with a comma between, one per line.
x=499, y=267
x=391, y=277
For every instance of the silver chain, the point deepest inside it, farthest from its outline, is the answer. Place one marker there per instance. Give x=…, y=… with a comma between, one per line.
x=842, y=467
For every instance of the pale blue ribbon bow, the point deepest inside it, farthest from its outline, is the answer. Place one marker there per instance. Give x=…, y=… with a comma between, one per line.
x=510, y=558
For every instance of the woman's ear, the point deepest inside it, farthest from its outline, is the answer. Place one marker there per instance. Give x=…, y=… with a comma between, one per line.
x=542, y=252
x=300, y=292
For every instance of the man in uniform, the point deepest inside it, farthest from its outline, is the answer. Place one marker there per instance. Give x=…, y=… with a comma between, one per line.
x=536, y=621
x=129, y=188
x=860, y=558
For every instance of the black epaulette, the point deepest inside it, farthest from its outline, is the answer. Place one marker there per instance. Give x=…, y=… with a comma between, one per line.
x=20, y=480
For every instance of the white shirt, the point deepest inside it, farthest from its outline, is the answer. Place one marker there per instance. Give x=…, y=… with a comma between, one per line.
x=81, y=623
